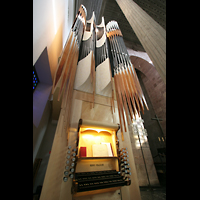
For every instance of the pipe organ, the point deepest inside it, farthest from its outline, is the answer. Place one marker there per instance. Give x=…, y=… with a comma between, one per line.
x=104, y=84
x=92, y=55
x=86, y=64
x=67, y=65
x=130, y=98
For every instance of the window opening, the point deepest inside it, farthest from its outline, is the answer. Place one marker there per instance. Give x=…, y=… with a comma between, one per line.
x=35, y=79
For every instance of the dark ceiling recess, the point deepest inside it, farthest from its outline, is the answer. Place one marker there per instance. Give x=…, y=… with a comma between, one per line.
x=111, y=11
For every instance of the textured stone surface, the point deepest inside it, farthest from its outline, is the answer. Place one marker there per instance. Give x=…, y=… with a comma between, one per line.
x=153, y=194
x=154, y=86
x=140, y=162
x=154, y=131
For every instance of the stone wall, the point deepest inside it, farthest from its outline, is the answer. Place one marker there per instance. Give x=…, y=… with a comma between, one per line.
x=154, y=86
x=144, y=162
x=154, y=131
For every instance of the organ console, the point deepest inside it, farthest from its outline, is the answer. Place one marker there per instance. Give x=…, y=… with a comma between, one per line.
x=104, y=167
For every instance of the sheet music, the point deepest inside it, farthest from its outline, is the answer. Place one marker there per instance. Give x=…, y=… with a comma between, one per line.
x=109, y=148
x=100, y=150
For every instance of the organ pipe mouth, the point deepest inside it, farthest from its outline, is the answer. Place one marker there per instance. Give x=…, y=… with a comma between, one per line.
x=111, y=26
x=84, y=8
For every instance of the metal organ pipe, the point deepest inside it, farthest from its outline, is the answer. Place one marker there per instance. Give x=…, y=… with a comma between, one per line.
x=130, y=97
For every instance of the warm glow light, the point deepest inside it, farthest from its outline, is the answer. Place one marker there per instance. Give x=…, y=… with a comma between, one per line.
x=87, y=136
x=91, y=135
x=54, y=16
x=96, y=129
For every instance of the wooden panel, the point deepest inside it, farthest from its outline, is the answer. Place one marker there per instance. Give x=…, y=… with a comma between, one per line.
x=96, y=164
x=98, y=126
x=99, y=99
x=103, y=194
x=98, y=113
x=54, y=187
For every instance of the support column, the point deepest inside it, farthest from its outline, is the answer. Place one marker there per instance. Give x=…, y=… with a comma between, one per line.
x=151, y=35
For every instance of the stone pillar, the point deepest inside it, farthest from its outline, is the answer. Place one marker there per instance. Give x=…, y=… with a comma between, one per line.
x=151, y=35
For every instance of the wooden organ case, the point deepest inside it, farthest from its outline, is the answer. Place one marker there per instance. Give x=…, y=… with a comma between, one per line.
x=96, y=164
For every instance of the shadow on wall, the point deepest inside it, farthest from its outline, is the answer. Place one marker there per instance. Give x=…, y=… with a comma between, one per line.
x=45, y=66
x=55, y=49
